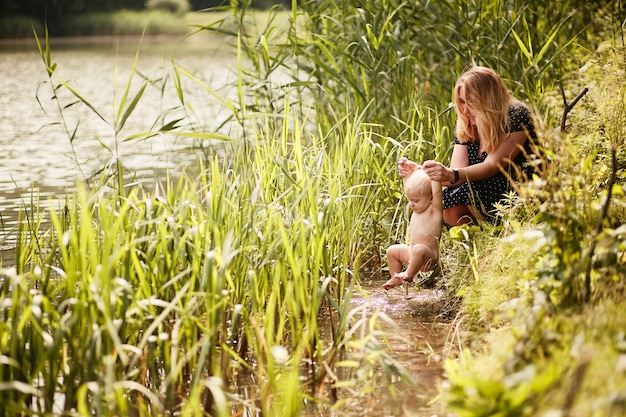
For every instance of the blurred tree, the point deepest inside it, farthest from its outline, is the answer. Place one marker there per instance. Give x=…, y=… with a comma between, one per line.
x=206, y=4
x=57, y=8
x=261, y=4
x=173, y=6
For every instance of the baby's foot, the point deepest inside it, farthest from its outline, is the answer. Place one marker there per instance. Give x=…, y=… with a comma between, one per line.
x=393, y=282
x=404, y=277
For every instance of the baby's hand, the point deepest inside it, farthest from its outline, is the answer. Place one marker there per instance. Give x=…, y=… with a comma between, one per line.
x=406, y=167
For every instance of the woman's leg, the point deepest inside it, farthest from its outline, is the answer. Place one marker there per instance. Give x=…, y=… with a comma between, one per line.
x=457, y=215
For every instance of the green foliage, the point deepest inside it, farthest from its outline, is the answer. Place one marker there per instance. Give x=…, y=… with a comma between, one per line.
x=382, y=58
x=158, y=296
x=137, y=302
x=18, y=27
x=162, y=298
x=559, y=325
x=172, y=6
x=123, y=22
x=583, y=210
x=477, y=393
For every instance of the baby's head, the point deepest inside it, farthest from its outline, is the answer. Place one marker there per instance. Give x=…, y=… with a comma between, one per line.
x=417, y=188
x=418, y=184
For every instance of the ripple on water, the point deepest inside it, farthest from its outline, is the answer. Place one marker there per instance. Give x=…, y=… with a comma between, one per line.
x=424, y=303
x=416, y=333
x=37, y=154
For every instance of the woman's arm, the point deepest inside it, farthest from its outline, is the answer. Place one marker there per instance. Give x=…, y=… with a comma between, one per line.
x=459, y=157
x=496, y=160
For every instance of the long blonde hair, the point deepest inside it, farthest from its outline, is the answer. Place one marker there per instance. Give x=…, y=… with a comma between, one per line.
x=488, y=99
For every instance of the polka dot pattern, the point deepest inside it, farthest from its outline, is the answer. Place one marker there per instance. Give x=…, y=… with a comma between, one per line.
x=484, y=194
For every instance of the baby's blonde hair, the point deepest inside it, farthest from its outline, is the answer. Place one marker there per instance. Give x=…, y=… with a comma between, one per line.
x=418, y=182
x=488, y=99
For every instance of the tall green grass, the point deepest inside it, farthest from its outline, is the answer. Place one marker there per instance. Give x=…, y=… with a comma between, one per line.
x=153, y=302
x=144, y=301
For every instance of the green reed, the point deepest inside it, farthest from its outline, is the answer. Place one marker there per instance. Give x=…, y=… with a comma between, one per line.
x=156, y=301
x=381, y=58
x=152, y=302
x=150, y=297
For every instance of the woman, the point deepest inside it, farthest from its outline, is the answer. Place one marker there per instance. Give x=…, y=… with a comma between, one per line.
x=493, y=129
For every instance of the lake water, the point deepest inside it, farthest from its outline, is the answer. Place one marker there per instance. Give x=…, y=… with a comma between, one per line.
x=37, y=159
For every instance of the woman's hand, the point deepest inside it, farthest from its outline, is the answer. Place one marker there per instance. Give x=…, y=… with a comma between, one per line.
x=437, y=171
x=406, y=167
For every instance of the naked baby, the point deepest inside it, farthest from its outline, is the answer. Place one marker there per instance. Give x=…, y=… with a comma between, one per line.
x=422, y=252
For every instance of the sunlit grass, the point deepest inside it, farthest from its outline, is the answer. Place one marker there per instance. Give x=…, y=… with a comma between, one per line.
x=543, y=296
x=145, y=300
x=137, y=302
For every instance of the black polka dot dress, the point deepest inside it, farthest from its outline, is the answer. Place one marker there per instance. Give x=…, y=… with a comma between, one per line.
x=484, y=194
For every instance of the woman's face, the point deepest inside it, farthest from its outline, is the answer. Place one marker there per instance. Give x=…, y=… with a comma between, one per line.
x=463, y=106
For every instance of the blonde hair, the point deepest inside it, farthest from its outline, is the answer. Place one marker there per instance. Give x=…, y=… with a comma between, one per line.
x=488, y=99
x=418, y=182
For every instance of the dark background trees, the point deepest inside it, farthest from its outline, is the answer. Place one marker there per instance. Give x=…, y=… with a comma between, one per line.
x=53, y=9
x=84, y=17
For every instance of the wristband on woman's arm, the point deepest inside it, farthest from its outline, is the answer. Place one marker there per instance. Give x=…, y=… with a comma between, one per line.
x=456, y=176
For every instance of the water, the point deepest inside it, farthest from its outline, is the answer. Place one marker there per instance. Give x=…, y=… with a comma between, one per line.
x=417, y=335
x=37, y=159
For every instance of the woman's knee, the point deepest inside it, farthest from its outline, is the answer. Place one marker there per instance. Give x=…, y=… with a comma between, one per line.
x=457, y=215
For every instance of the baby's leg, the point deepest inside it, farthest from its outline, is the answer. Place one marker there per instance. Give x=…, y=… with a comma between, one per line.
x=422, y=258
x=397, y=256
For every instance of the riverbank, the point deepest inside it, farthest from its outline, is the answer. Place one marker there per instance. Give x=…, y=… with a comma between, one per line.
x=167, y=295
x=543, y=296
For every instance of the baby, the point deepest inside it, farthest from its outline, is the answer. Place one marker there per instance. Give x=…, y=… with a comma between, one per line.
x=422, y=254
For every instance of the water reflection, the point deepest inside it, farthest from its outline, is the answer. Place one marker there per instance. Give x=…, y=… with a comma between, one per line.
x=417, y=336
x=417, y=333
x=39, y=161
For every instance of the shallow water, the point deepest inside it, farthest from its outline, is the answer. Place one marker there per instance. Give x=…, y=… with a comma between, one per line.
x=414, y=329
x=417, y=335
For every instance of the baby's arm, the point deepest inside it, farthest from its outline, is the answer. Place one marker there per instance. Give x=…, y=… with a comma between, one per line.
x=437, y=198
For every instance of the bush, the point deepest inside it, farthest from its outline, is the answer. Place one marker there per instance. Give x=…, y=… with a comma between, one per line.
x=18, y=27
x=173, y=6
x=123, y=22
